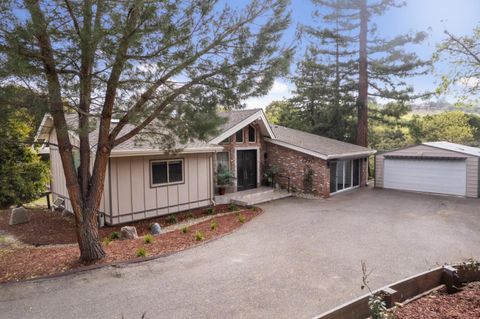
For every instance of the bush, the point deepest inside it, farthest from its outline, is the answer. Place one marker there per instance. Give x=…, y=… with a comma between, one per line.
x=224, y=176
x=148, y=239
x=185, y=229
x=107, y=241
x=210, y=210
x=232, y=207
x=171, y=219
x=114, y=235
x=213, y=225
x=241, y=218
x=199, y=236
x=141, y=252
x=190, y=215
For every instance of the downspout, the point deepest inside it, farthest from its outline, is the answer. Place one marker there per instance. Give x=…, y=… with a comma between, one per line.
x=110, y=189
x=210, y=168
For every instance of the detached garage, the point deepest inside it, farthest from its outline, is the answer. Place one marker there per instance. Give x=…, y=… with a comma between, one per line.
x=436, y=167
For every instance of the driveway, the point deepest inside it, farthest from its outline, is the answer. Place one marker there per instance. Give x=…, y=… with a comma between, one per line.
x=298, y=259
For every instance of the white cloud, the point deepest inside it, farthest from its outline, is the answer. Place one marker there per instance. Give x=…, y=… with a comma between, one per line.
x=279, y=91
x=470, y=82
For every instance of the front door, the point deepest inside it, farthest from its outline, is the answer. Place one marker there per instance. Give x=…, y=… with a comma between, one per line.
x=246, y=169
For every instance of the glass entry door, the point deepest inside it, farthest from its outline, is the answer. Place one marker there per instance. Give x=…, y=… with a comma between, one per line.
x=344, y=174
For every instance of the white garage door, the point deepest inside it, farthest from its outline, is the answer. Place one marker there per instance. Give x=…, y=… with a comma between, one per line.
x=433, y=176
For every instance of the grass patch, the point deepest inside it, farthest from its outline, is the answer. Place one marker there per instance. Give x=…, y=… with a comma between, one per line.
x=241, y=218
x=232, y=207
x=114, y=235
x=141, y=252
x=171, y=219
x=148, y=239
x=210, y=211
x=184, y=229
x=106, y=241
x=213, y=225
x=199, y=236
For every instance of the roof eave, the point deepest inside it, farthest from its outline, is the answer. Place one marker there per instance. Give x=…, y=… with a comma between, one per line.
x=188, y=150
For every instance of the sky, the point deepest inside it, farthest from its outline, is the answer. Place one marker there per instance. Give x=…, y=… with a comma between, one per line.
x=459, y=17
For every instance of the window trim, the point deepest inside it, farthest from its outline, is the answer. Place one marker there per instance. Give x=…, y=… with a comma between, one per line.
x=254, y=134
x=243, y=136
x=152, y=185
x=216, y=159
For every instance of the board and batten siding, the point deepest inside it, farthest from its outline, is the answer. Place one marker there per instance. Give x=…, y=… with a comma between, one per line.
x=57, y=176
x=472, y=165
x=133, y=198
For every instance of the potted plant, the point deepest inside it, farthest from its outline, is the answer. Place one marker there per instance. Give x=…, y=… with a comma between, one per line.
x=270, y=173
x=224, y=178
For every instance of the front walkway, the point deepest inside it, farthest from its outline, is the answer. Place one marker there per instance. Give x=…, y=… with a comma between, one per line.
x=298, y=259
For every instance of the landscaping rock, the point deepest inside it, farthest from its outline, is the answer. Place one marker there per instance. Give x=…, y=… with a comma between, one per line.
x=129, y=232
x=19, y=215
x=155, y=229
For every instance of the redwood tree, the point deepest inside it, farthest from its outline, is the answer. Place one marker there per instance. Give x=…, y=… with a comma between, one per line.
x=167, y=64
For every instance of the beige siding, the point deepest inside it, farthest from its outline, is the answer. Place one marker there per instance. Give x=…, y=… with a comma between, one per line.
x=59, y=187
x=133, y=198
x=472, y=165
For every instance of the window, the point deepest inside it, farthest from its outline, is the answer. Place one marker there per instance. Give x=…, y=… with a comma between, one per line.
x=239, y=136
x=344, y=174
x=222, y=160
x=166, y=172
x=251, y=134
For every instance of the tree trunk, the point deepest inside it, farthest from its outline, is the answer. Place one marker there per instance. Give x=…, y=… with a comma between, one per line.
x=362, y=102
x=87, y=236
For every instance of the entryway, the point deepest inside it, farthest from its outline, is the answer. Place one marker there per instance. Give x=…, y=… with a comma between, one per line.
x=246, y=169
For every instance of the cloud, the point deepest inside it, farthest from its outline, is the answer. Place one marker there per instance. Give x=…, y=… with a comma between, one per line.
x=470, y=82
x=279, y=91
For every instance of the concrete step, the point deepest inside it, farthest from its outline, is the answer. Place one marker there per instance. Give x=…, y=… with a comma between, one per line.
x=258, y=198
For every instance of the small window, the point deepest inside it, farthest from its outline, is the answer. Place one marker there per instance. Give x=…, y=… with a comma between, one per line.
x=239, y=136
x=251, y=134
x=166, y=172
x=222, y=160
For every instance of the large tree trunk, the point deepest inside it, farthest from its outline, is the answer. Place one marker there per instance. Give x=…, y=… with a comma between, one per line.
x=362, y=102
x=87, y=236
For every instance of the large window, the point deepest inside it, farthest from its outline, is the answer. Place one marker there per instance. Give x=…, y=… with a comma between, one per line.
x=166, y=172
x=222, y=160
x=344, y=174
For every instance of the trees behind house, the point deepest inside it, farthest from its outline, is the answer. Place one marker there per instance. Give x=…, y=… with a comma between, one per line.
x=353, y=63
x=163, y=66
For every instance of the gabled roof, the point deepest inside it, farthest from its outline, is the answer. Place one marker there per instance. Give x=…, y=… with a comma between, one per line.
x=459, y=148
x=238, y=119
x=316, y=145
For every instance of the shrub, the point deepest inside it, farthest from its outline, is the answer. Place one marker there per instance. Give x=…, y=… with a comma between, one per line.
x=114, y=235
x=199, y=236
x=210, y=210
x=148, y=239
x=171, y=219
x=224, y=176
x=185, y=229
x=232, y=207
x=107, y=241
x=254, y=209
x=141, y=252
x=190, y=215
x=213, y=225
x=241, y=218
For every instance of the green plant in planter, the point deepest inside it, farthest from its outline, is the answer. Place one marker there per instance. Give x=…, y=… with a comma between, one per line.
x=114, y=235
x=141, y=252
x=185, y=229
x=199, y=236
x=171, y=219
x=224, y=178
x=148, y=239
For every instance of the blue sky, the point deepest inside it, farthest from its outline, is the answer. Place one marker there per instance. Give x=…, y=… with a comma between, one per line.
x=433, y=16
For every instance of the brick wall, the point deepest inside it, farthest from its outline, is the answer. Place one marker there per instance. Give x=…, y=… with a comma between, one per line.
x=295, y=165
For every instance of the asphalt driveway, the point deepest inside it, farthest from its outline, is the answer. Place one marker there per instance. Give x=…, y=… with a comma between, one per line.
x=298, y=259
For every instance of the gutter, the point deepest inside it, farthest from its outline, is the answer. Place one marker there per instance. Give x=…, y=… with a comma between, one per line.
x=192, y=150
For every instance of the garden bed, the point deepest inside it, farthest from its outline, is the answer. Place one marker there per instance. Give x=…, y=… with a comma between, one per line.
x=441, y=305
x=19, y=262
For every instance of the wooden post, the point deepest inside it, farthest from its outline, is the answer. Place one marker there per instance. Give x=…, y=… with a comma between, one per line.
x=451, y=279
x=390, y=296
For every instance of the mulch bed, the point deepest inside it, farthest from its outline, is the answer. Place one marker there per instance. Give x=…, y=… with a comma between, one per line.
x=440, y=305
x=50, y=228
x=31, y=262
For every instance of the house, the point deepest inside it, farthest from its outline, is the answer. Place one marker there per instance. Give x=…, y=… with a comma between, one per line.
x=142, y=181
x=435, y=167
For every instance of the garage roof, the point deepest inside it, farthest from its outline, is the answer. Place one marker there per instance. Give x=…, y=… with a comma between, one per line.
x=459, y=148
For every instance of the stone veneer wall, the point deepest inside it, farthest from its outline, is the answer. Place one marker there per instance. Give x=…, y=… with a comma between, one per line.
x=294, y=165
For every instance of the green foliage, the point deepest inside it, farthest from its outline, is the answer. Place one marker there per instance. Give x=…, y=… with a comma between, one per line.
x=270, y=172
x=171, y=219
x=224, y=176
x=232, y=207
x=107, y=241
x=23, y=176
x=114, y=235
x=148, y=239
x=213, y=225
x=448, y=126
x=308, y=179
x=242, y=218
x=185, y=229
x=210, y=210
x=141, y=252
x=199, y=236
